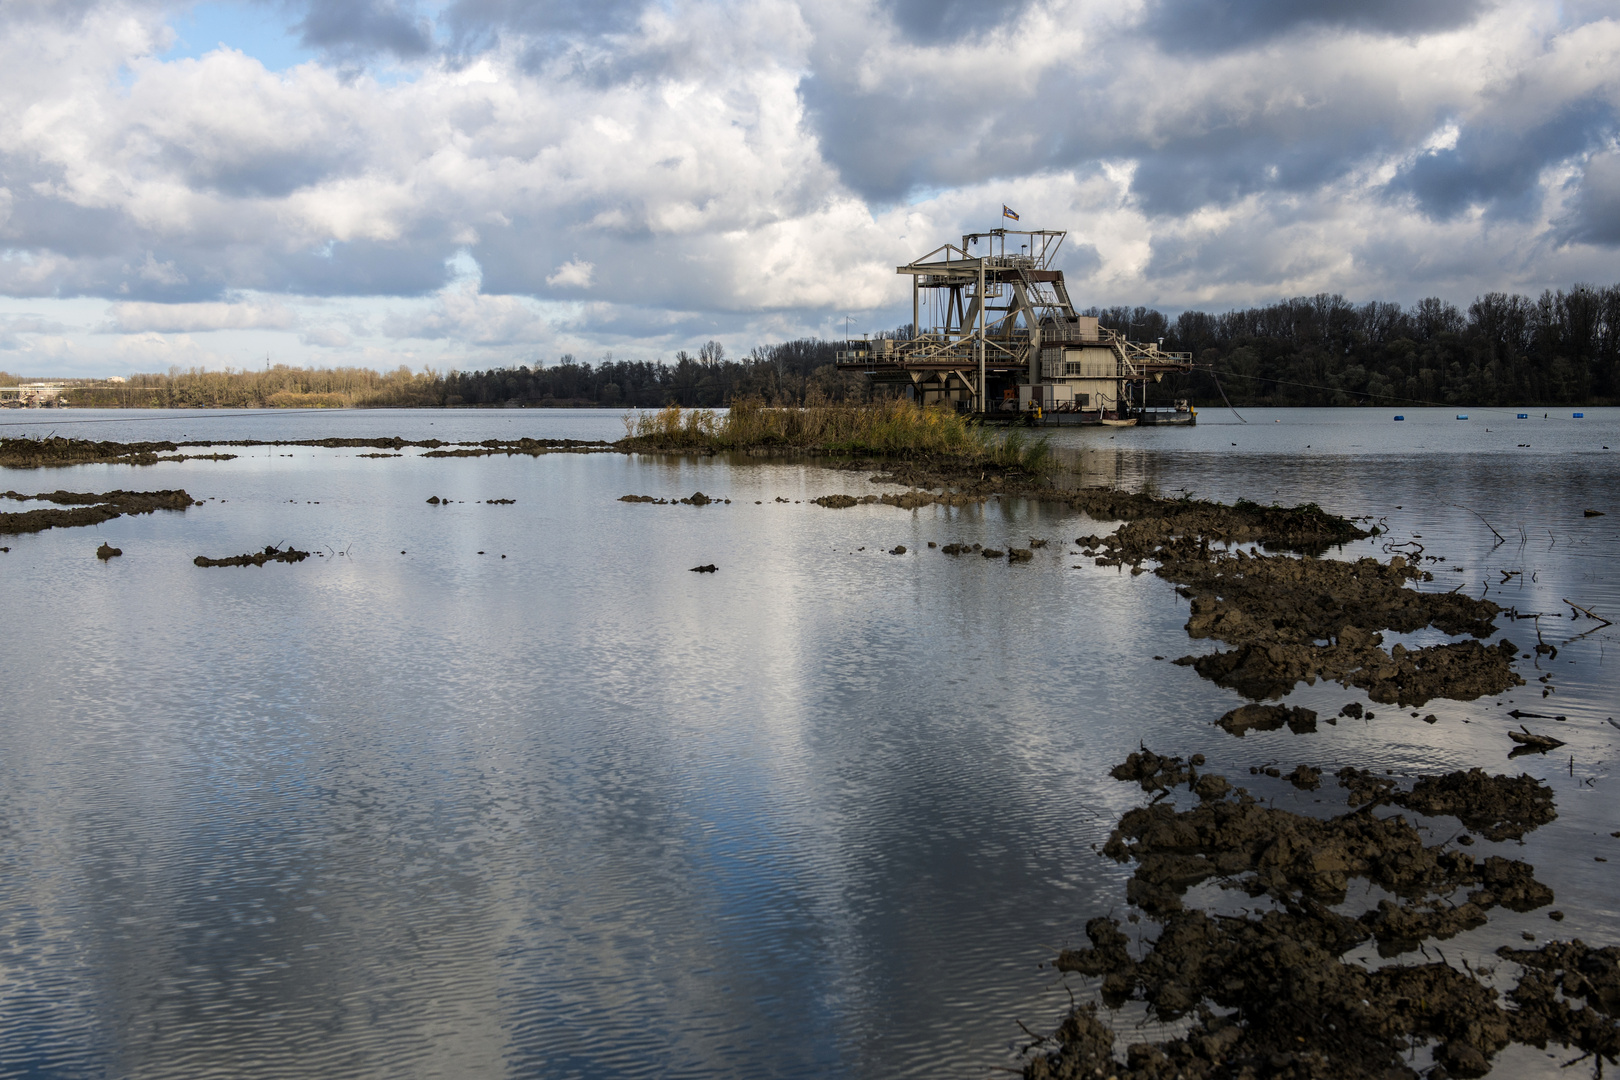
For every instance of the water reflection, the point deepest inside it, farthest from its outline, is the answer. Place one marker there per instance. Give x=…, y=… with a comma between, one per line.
x=581, y=812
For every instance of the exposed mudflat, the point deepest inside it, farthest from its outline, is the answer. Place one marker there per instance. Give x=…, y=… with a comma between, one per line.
x=57, y=451
x=1270, y=994
x=1299, y=619
x=88, y=508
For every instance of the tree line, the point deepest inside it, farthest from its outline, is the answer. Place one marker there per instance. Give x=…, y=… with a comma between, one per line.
x=1560, y=348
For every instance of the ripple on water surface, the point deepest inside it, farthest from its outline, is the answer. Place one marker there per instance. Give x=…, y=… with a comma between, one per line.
x=580, y=812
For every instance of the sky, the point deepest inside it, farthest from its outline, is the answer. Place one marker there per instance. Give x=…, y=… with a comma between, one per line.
x=482, y=183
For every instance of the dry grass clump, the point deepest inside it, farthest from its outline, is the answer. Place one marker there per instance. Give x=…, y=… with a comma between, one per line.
x=894, y=428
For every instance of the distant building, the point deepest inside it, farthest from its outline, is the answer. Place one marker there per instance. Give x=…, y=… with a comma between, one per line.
x=32, y=395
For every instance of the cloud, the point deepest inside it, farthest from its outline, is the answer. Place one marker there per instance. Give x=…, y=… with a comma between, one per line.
x=1497, y=166
x=574, y=274
x=357, y=28
x=760, y=166
x=1596, y=213
x=949, y=20
x=327, y=337
x=139, y=317
x=30, y=324
x=462, y=313
x=1198, y=26
x=480, y=24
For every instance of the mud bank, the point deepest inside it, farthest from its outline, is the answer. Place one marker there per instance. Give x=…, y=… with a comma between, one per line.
x=55, y=452
x=529, y=447
x=270, y=554
x=905, y=500
x=1299, y=619
x=697, y=498
x=88, y=509
x=1270, y=994
x=60, y=452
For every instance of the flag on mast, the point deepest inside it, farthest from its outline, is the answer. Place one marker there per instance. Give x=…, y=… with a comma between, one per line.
x=1008, y=212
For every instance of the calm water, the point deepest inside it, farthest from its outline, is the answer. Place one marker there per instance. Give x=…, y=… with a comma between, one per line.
x=415, y=809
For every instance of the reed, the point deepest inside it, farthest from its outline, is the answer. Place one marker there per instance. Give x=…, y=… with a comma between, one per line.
x=893, y=428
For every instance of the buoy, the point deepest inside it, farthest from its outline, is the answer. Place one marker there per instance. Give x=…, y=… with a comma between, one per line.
x=1400, y=418
x=1524, y=416
x=1579, y=415
x=1462, y=416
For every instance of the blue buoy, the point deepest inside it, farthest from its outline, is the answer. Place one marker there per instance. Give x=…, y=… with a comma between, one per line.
x=1579, y=415
x=1462, y=416
x=1524, y=416
x=1400, y=418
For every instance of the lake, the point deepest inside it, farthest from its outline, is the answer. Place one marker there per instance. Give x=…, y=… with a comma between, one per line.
x=506, y=790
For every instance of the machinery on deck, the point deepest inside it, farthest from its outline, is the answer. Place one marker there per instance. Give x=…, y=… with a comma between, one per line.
x=994, y=333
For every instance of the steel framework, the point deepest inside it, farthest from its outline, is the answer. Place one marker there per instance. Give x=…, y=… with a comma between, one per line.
x=988, y=320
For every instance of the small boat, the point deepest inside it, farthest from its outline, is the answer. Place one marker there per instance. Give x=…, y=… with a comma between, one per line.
x=1119, y=423
x=1181, y=413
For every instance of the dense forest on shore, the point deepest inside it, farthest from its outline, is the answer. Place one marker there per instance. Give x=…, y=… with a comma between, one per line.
x=1563, y=348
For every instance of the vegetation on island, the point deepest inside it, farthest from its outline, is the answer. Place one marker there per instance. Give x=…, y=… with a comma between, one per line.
x=893, y=428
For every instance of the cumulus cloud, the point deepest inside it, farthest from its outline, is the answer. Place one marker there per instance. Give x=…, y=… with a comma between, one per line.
x=573, y=274
x=752, y=166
